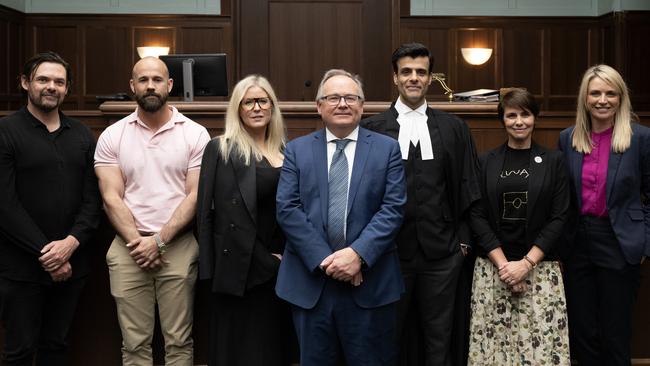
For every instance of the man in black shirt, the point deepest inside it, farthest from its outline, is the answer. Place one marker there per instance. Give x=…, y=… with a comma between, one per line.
x=49, y=209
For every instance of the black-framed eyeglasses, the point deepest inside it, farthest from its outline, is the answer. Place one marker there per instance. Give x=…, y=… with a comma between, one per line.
x=263, y=103
x=335, y=99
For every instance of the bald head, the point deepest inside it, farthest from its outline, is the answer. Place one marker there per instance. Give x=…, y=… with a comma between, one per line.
x=149, y=63
x=151, y=84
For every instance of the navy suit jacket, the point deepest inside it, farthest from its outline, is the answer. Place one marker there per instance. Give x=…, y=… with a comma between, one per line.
x=375, y=209
x=628, y=177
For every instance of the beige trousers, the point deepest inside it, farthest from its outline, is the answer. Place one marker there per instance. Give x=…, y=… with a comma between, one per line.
x=136, y=293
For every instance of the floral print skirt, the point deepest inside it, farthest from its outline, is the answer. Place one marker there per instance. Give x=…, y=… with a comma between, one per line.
x=518, y=329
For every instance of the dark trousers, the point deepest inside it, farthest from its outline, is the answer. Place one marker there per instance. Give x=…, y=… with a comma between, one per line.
x=601, y=289
x=462, y=312
x=426, y=311
x=36, y=319
x=337, y=325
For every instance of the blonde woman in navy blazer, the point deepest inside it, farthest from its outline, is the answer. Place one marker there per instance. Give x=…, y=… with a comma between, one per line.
x=608, y=159
x=518, y=305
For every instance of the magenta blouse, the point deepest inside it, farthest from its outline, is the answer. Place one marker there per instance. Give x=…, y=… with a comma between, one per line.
x=594, y=175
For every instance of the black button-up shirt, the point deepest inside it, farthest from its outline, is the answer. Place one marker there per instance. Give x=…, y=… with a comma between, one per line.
x=48, y=190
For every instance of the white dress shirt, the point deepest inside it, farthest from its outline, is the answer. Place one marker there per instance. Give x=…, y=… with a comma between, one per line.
x=413, y=128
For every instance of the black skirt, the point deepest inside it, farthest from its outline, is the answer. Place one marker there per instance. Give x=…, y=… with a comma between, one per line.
x=255, y=329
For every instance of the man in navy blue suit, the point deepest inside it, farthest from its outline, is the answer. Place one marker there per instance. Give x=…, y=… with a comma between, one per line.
x=340, y=202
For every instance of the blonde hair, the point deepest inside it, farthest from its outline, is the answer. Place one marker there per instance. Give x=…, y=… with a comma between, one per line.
x=622, y=134
x=236, y=139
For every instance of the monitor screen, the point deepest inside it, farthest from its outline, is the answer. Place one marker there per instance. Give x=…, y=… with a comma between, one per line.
x=209, y=77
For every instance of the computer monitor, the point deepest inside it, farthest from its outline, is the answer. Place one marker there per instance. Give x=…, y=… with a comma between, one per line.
x=197, y=75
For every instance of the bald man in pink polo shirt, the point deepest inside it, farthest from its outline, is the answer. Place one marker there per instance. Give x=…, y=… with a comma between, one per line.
x=148, y=168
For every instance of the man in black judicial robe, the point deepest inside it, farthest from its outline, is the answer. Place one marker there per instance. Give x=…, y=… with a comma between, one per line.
x=441, y=172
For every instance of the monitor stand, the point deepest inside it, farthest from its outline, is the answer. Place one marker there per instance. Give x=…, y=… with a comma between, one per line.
x=188, y=80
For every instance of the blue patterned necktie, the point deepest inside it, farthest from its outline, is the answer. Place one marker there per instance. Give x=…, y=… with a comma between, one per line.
x=338, y=194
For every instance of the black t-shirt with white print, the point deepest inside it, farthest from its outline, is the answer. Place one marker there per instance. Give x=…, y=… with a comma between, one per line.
x=512, y=190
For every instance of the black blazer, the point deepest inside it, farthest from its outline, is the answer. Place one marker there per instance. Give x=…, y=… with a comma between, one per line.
x=548, y=200
x=628, y=179
x=460, y=164
x=226, y=222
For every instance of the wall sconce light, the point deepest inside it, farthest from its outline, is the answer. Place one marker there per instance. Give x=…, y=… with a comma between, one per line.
x=152, y=51
x=476, y=56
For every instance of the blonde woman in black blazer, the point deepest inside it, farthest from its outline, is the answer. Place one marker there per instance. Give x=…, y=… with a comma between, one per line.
x=518, y=304
x=240, y=243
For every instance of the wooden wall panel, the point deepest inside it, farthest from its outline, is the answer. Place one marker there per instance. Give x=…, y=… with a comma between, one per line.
x=523, y=57
x=637, y=29
x=205, y=40
x=12, y=40
x=226, y=7
x=292, y=24
x=62, y=38
x=107, y=69
x=568, y=58
x=252, y=24
x=612, y=48
x=379, y=22
x=272, y=35
x=4, y=34
x=297, y=75
x=14, y=61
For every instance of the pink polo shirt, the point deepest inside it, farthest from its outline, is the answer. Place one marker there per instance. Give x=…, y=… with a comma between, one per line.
x=154, y=165
x=594, y=175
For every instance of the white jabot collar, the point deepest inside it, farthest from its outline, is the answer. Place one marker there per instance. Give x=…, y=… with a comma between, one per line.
x=413, y=129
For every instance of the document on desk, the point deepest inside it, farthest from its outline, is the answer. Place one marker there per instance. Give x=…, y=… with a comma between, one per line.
x=478, y=95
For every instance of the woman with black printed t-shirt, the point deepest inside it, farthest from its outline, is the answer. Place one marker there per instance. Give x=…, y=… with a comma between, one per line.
x=518, y=305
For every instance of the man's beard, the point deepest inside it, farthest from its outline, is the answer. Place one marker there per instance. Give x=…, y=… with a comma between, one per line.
x=150, y=104
x=40, y=103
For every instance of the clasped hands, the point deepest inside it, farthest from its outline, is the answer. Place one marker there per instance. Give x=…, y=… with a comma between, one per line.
x=55, y=258
x=514, y=275
x=144, y=252
x=343, y=265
